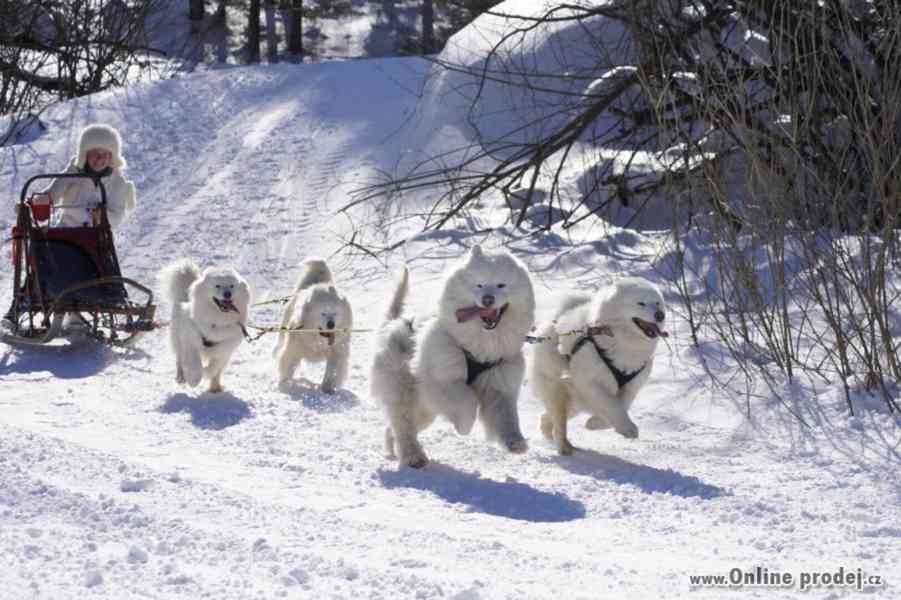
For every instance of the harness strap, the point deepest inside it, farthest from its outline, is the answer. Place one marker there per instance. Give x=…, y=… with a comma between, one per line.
x=622, y=377
x=475, y=368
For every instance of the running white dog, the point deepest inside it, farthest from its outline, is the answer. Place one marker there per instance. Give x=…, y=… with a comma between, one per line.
x=316, y=304
x=601, y=372
x=209, y=318
x=466, y=362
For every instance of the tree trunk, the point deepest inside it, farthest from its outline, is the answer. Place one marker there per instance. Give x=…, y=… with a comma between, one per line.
x=428, y=26
x=271, y=38
x=195, y=10
x=295, y=30
x=195, y=14
x=253, y=32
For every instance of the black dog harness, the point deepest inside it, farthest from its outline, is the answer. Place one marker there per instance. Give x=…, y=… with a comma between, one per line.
x=475, y=368
x=622, y=378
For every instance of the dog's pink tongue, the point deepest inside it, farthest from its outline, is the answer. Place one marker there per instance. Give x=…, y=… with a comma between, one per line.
x=226, y=305
x=466, y=314
x=661, y=332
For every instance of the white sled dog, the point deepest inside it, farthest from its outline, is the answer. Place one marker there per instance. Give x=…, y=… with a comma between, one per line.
x=209, y=318
x=316, y=304
x=598, y=374
x=466, y=362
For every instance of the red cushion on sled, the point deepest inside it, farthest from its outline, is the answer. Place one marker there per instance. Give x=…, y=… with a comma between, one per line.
x=41, y=206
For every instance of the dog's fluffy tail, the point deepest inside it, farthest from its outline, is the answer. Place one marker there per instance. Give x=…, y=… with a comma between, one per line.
x=570, y=301
x=399, y=299
x=315, y=270
x=177, y=278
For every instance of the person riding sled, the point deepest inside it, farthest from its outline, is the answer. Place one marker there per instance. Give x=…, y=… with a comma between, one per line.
x=76, y=201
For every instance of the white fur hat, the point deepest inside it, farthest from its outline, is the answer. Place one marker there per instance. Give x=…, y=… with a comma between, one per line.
x=100, y=136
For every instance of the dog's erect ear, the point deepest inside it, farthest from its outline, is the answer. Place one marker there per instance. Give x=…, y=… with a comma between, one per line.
x=195, y=286
x=475, y=253
x=348, y=312
x=242, y=295
x=245, y=288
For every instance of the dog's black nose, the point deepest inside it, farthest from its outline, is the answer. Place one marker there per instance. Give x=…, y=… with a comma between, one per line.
x=330, y=324
x=487, y=300
x=660, y=316
x=227, y=294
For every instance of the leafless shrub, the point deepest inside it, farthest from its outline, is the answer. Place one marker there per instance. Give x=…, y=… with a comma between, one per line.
x=799, y=141
x=52, y=50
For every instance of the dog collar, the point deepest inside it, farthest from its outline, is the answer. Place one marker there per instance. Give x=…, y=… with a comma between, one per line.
x=622, y=377
x=475, y=368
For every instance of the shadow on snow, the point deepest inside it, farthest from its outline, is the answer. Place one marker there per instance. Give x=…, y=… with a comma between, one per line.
x=209, y=411
x=67, y=361
x=308, y=394
x=508, y=499
x=648, y=479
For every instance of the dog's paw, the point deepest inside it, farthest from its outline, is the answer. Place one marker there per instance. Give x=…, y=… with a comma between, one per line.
x=628, y=430
x=564, y=448
x=596, y=422
x=179, y=377
x=416, y=460
x=518, y=445
x=215, y=388
x=328, y=388
x=464, y=419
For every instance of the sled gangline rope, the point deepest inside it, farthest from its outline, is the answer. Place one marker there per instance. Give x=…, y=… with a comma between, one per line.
x=264, y=329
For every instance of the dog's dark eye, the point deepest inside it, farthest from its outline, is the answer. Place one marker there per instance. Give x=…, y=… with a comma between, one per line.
x=502, y=285
x=641, y=304
x=479, y=285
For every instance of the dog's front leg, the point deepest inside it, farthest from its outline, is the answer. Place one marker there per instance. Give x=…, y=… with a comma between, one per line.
x=215, y=367
x=389, y=442
x=453, y=399
x=596, y=422
x=213, y=372
x=336, y=367
x=500, y=418
x=190, y=365
x=498, y=409
x=558, y=416
x=611, y=407
x=288, y=361
x=619, y=418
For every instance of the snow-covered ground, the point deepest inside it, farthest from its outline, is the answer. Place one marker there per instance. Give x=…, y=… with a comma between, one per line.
x=116, y=483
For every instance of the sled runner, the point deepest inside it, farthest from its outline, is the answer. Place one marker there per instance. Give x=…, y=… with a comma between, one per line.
x=69, y=277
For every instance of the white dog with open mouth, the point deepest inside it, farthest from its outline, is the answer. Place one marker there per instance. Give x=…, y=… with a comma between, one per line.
x=316, y=304
x=465, y=363
x=209, y=319
x=602, y=371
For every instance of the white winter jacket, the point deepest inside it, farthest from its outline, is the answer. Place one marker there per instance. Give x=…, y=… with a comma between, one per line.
x=74, y=199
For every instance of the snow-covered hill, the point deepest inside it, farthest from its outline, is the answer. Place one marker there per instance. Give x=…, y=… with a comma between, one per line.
x=116, y=483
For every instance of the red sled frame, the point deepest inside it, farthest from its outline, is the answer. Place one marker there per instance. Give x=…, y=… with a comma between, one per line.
x=74, y=271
